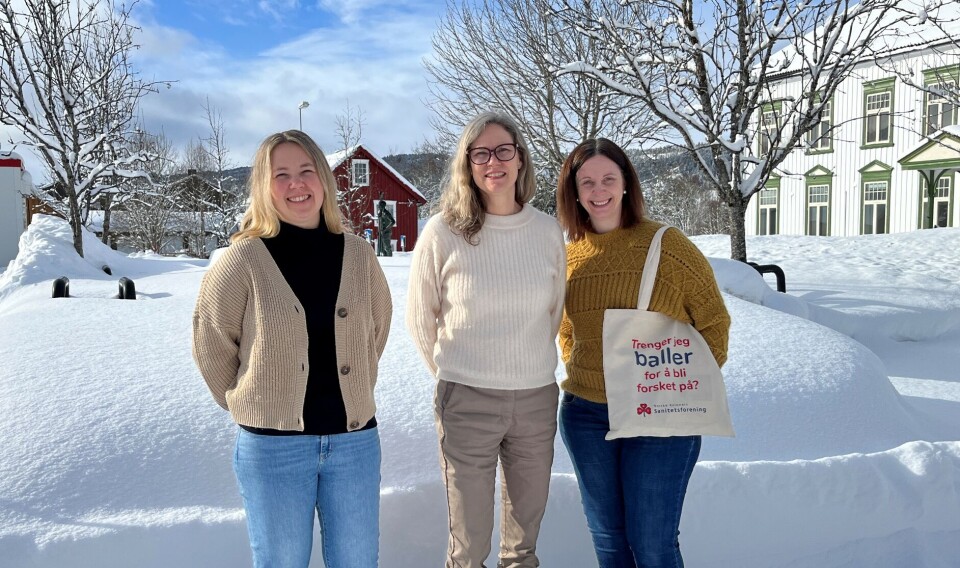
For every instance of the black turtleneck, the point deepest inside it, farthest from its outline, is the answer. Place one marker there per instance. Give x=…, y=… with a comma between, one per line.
x=311, y=261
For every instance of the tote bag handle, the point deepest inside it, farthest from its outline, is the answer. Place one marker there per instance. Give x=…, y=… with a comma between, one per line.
x=649, y=275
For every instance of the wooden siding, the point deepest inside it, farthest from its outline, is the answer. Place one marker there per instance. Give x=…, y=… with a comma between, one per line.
x=383, y=180
x=848, y=157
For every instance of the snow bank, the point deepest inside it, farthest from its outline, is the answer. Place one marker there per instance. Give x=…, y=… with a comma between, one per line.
x=114, y=450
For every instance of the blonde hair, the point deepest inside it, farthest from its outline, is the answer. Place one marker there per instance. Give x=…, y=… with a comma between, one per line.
x=261, y=218
x=460, y=203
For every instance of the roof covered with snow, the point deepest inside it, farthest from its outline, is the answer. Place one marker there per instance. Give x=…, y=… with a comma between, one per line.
x=337, y=158
x=911, y=25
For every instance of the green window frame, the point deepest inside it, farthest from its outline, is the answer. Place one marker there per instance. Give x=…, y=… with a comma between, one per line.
x=818, y=202
x=770, y=115
x=768, y=207
x=947, y=183
x=875, y=189
x=878, y=105
x=946, y=110
x=820, y=138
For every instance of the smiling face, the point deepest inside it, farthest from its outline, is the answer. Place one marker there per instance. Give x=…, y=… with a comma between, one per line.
x=295, y=186
x=600, y=191
x=497, y=180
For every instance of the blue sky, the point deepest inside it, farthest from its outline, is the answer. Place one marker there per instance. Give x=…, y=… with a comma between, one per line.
x=255, y=60
x=246, y=27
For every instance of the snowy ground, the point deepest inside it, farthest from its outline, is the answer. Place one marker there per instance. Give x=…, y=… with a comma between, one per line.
x=845, y=395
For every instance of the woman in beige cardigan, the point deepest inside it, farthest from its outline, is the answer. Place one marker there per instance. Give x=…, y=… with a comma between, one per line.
x=288, y=330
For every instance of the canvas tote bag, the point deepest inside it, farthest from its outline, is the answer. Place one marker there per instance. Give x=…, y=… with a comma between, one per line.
x=661, y=377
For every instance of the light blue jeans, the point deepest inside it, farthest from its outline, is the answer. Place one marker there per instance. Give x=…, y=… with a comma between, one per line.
x=632, y=489
x=284, y=479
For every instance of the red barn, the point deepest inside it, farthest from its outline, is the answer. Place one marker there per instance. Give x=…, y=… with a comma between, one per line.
x=362, y=178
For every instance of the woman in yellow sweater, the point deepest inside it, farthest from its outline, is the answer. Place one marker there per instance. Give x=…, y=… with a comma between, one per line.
x=632, y=489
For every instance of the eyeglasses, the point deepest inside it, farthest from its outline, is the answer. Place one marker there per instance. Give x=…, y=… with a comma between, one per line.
x=503, y=152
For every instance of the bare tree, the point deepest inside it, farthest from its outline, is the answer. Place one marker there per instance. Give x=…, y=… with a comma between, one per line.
x=195, y=157
x=428, y=173
x=676, y=197
x=673, y=189
x=939, y=31
x=350, y=126
x=501, y=54
x=227, y=202
x=150, y=217
x=198, y=194
x=355, y=200
x=711, y=72
x=68, y=85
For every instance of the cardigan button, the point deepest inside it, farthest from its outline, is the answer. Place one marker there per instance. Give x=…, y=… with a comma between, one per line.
x=342, y=312
x=354, y=425
x=345, y=370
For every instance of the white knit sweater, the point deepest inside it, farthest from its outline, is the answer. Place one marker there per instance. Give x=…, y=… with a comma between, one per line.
x=487, y=315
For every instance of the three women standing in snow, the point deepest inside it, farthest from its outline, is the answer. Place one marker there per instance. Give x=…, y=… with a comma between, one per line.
x=485, y=302
x=632, y=489
x=288, y=330
x=292, y=319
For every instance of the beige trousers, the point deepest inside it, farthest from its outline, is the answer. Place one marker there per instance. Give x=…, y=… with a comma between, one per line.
x=476, y=427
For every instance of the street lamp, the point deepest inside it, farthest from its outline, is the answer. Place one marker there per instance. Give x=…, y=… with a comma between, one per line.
x=301, y=106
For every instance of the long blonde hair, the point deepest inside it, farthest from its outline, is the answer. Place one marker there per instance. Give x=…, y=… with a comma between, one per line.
x=261, y=218
x=460, y=203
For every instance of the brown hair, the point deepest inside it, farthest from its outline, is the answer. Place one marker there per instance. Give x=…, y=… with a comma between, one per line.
x=572, y=216
x=261, y=218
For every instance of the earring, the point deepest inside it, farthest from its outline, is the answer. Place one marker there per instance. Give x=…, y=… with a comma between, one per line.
x=624, y=192
x=578, y=200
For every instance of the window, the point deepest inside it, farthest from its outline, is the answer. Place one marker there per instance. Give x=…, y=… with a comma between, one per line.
x=767, y=208
x=819, y=139
x=878, y=113
x=940, y=111
x=819, y=186
x=875, y=207
x=875, y=184
x=940, y=97
x=360, y=170
x=769, y=127
x=391, y=207
x=878, y=118
x=941, y=203
x=818, y=209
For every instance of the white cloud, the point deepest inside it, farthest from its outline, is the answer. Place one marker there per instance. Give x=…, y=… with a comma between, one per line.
x=376, y=66
x=278, y=8
x=350, y=11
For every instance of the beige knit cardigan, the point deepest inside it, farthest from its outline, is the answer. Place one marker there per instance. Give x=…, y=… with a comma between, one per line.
x=250, y=335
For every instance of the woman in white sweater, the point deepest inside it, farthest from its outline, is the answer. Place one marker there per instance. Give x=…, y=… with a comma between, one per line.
x=486, y=297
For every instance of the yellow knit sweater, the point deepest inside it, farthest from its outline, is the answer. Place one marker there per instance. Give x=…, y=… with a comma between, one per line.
x=603, y=271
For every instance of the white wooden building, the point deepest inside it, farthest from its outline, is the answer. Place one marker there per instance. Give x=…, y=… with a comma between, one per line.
x=15, y=183
x=884, y=139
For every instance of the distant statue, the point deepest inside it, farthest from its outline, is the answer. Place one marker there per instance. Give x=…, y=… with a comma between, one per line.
x=385, y=224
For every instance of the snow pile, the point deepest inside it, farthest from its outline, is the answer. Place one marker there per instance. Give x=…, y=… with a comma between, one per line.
x=114, y=449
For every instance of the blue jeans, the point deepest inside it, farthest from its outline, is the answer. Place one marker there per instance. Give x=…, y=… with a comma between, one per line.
x=284, y=479
x=632, y=489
